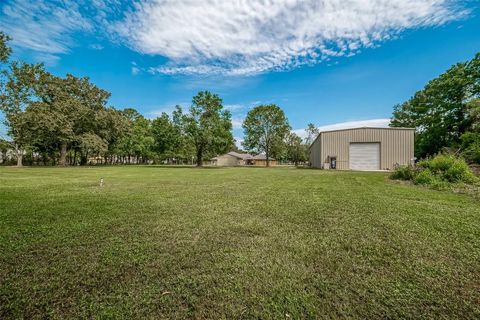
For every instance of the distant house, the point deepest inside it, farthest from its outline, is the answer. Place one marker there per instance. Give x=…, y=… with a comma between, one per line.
x=233, y=159
x=260, y=160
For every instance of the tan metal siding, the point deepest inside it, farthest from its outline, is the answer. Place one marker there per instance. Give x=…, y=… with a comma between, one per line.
x=396, y=146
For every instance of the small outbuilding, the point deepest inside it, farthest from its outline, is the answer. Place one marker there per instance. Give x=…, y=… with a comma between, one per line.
x=363, y=148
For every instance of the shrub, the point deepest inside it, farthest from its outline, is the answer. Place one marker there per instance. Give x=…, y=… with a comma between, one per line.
x=441, y=173
x=438, y=164
x=424, y=177
x=403, y=173
x=459, y=172
x=448, y=168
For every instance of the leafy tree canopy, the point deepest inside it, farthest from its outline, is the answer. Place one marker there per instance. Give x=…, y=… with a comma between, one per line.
x=5, y=50
x=208, y=126
x=442, y=111
x=266, y=129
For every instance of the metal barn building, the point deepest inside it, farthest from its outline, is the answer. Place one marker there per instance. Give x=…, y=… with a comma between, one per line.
x=363, y=148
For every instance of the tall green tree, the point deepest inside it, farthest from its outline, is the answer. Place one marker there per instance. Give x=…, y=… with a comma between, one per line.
x=17, y=91
x=19, y=82
x=77, y=103
x=167, y=136
x=295, y=148
x=208, y=126
x=440, y=111
x=114, y=126
x=137, y=143
x=266, y=128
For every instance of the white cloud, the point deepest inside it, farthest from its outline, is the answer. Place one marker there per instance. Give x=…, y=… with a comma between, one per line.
x=237, y=123
x=375, y=123
x=167, y=108
x=48, y=26
x=95, y=46
x=135, y=69
x=223, y=37
x=234, y=107
x=43, y=26
x=158, y=112
x=238, y=142
x=251, y=36
x=47, y=58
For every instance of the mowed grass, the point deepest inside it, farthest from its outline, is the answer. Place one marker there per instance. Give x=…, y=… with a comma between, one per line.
x=159, y=242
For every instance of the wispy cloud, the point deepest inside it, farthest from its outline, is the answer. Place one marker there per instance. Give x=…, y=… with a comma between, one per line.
x=238, y=142
x=239, y=112
x=212, y=37
x=251, y=37
x=43, y=26
x=135, y=69
x=234, y=107
x=237, y=122
x=47, y=27
x=158, y=112
x=166, y=108
x=375, y=123
x=95, y=46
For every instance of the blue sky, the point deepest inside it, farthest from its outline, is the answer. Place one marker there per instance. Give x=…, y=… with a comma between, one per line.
x=323, y=62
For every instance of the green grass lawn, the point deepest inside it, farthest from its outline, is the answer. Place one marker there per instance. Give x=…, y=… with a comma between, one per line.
x=159, y=242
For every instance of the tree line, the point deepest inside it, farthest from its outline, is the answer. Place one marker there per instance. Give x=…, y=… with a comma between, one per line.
x=55, y=120
x=62, y=121
x=446, y=113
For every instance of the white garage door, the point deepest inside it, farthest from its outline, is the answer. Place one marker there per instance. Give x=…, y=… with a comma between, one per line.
x=365, y=156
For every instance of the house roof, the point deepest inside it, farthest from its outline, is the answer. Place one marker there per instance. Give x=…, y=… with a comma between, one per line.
x=243, y=156
x=261, y=157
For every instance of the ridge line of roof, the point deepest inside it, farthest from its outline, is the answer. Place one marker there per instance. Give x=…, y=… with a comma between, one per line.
x=356, y=128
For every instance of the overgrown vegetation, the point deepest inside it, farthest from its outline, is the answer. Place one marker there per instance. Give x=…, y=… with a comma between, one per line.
x=440, y=172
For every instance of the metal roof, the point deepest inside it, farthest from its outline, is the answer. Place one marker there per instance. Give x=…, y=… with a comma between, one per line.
x=357, y=128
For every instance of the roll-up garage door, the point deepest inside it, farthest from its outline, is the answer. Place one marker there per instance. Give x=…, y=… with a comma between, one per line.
x=365, y=156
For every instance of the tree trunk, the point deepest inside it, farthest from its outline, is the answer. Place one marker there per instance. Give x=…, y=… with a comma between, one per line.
x=19, y=152
x=200, y=156
x=267, y=156
x=75, y=157
x=63, y=155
